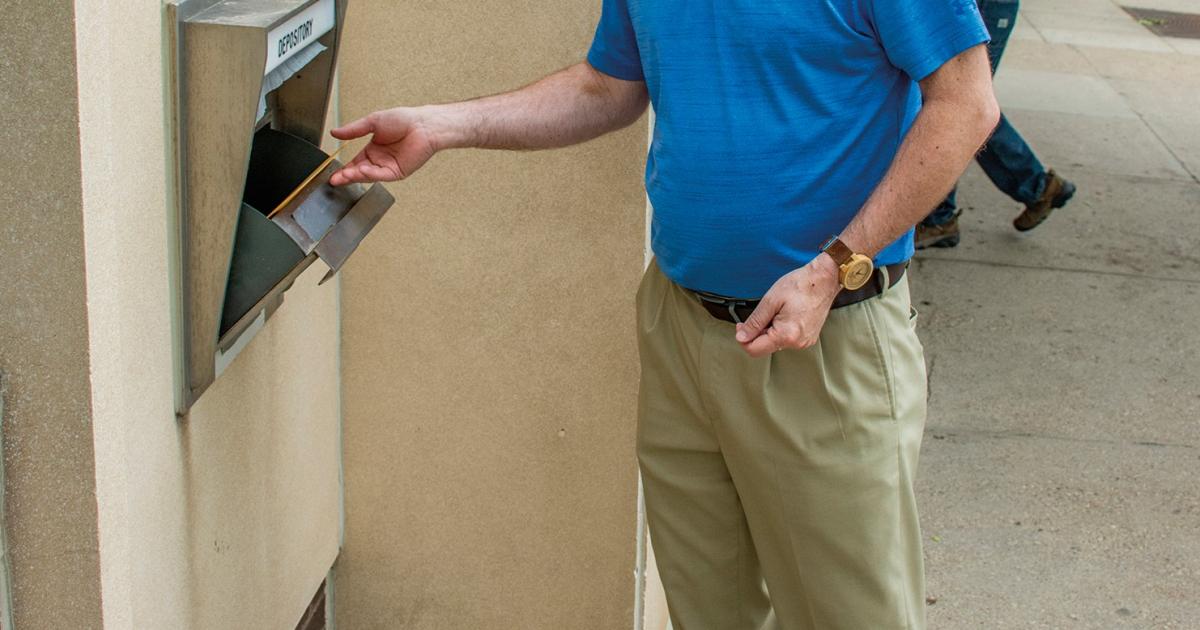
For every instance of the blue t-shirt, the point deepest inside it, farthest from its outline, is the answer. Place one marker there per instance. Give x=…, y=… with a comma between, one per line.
x=775, y=120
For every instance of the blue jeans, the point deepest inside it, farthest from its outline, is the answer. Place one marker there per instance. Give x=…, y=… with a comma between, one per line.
x=1005, y=159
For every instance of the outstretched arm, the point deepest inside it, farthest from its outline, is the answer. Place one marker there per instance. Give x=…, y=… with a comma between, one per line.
x=958, y=115
x=571, y=106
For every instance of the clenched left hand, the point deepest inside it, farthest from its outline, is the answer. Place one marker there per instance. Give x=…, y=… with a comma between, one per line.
x=793, y=312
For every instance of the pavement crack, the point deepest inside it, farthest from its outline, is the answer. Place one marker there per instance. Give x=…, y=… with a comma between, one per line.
x=1128, y=103
x=942, y=434
x=1088, y=272
x=1178, y=160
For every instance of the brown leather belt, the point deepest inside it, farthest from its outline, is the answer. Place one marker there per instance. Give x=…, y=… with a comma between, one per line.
x=736, y=311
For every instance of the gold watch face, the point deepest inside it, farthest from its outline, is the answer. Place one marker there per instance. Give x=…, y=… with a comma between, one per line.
x=856, y=272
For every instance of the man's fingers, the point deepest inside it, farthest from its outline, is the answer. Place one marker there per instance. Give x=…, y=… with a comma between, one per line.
x=348, y=174
x=355, y=171
x=376, y=173
x=759, y=320
x=356, y=129
x=764, y=344
x=362, y=170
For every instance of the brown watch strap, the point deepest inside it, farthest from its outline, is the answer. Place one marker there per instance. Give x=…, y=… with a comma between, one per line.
x=838, y=251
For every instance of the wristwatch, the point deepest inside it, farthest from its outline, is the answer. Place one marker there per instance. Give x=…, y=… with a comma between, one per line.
x=854, y=270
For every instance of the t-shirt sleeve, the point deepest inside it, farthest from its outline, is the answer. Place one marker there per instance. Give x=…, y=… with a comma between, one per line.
x=614, y=50
x=919, y=36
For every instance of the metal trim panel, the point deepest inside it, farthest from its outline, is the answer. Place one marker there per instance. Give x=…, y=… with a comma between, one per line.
x=219, y=50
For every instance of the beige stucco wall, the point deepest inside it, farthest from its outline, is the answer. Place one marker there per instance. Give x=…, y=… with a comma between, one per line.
x=489, y=359
x=228, y=519
x=51, y=508
x=488, y=353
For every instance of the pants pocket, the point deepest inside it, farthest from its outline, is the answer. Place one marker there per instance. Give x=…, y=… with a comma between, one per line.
x=881, y=336
x=855, y=377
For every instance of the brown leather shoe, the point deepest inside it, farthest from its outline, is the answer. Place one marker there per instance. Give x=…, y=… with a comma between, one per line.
x=1058, y=192
x=944, y=235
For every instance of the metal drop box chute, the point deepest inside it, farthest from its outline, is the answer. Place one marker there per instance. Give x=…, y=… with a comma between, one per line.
x=252, y=81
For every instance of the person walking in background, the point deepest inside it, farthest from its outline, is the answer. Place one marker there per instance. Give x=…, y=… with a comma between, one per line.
x=1006, y=159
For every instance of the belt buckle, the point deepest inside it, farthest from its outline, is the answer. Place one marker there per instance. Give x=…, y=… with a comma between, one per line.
x=719, y=300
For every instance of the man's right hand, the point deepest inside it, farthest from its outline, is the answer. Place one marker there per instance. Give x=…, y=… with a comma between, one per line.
x=401, y=142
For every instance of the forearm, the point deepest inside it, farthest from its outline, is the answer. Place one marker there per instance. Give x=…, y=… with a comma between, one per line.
x=958, y=115
x=568, y=107
x=937, y=148
x=942, y=141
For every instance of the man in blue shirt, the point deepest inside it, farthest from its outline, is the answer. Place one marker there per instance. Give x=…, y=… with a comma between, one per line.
x=782, y=399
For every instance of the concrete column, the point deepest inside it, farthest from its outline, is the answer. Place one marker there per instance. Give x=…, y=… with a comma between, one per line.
x=50, y=475
x=228, y=518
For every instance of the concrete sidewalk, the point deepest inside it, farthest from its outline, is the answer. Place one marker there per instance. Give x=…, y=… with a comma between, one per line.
x=1061, y=473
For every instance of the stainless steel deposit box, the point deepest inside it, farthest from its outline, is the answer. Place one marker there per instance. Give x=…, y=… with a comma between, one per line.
x=251, y=83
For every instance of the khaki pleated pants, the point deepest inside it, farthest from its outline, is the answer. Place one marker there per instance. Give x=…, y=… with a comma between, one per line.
x=779, y=490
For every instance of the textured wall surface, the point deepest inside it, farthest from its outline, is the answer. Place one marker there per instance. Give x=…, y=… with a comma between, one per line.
x=229, y=518
x=490, y=366
x=51, y=504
